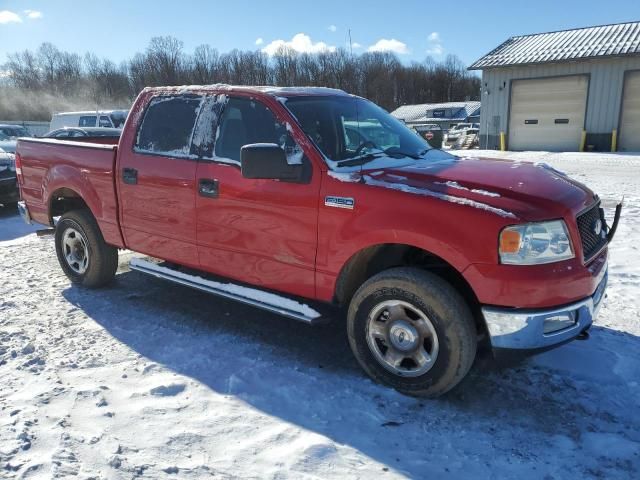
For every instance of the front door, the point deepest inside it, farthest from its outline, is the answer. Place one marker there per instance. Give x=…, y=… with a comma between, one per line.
x=157, y=182
x=262, y=232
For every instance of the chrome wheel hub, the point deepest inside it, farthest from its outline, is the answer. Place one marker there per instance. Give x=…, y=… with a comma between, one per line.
x=75, y=250
x=402, y=338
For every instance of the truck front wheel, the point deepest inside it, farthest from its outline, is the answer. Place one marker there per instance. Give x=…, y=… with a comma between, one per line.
x=412, y=331
x=82, y=252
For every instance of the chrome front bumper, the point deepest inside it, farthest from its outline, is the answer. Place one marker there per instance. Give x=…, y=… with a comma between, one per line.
x=24, y=212
x=519, y=329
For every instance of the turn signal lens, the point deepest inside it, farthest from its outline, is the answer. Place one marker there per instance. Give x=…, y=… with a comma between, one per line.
x=510, y=241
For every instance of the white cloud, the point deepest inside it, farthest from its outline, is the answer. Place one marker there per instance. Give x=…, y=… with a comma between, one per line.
x=9, y=17
x=389, y=45
x=332, y=28
x=300, y=43
x=435, y=44
x=356, y=45
x=33, y=14
x=259, y=41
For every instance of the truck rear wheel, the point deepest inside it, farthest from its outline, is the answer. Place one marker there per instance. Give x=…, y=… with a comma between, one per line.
x=82, y=252
x=412, y=331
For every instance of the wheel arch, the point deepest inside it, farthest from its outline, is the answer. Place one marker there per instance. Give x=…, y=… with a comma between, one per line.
x=374, y=259
x=63, y=200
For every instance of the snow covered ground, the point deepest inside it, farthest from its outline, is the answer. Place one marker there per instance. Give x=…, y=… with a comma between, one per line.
x=151, y=380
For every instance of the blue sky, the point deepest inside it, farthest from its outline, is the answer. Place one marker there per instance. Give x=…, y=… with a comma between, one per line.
x=414, y=29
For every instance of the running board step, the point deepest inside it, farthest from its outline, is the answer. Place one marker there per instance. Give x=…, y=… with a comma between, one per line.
x=258, y=298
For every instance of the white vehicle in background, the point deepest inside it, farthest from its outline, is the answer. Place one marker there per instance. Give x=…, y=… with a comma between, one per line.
x=94, y=118
x=459, y=130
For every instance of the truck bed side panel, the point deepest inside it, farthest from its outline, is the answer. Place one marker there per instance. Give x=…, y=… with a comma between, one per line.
x=48, y=166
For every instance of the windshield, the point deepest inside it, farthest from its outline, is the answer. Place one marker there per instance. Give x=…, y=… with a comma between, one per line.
x=350, y=128
x=3, y=136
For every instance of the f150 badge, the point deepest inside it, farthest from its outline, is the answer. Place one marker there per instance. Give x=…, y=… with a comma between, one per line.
x=339, y=202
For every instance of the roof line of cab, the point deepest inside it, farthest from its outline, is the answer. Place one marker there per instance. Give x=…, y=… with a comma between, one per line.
x=266, y=90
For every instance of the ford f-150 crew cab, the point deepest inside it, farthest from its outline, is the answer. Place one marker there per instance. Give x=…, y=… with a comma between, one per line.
x=304, y=197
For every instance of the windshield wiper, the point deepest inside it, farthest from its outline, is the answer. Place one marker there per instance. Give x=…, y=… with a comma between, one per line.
x=361, y=160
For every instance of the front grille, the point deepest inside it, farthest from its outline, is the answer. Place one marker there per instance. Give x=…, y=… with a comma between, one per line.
x=592, y=243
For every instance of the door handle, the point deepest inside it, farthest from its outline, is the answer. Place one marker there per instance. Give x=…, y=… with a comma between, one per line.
x=208, y=187
x=130, y=176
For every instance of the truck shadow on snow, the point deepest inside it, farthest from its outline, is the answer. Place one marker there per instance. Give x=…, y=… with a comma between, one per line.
x=307, y=376
x=13, y=226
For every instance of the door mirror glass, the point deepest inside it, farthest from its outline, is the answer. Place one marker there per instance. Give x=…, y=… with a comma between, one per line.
x=268, y=161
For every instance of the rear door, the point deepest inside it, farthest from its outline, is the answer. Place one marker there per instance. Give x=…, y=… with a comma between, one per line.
x=157, y=181
x=263, y=232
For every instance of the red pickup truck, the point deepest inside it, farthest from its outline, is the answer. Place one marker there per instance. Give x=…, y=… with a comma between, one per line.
x=312, y=193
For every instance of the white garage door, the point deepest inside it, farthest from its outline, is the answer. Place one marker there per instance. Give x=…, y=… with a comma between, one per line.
x=547, y=114
x=630, y=121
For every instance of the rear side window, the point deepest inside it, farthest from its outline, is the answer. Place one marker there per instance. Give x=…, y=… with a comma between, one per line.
x=87, y=121
x=167, y=126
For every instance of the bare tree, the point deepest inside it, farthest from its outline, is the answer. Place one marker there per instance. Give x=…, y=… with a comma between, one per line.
x=64, y=78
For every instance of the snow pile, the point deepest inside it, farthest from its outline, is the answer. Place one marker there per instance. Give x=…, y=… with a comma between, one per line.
x=146, y=379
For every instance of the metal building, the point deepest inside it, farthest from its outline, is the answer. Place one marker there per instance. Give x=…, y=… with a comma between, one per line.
x=563, y=91
x=446, y=115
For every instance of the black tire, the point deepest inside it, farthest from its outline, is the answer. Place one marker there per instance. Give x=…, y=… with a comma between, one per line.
x=102, y=260
x=448, y=314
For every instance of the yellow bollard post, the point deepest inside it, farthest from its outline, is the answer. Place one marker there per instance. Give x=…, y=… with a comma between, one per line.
x=583, y=140
x=503, y=143
x=614, y=140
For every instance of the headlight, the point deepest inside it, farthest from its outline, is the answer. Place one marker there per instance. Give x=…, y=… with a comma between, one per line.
x=535, y=243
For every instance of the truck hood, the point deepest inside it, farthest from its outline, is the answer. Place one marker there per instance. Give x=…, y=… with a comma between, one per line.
x=520, y=190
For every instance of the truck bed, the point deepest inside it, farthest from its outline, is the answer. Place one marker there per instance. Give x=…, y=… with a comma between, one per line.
x=49, y=165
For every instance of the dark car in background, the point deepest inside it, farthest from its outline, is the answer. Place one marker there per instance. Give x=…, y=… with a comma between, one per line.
x=67, y=133
x=9, y=136
x=15, y=131
x=9, y=193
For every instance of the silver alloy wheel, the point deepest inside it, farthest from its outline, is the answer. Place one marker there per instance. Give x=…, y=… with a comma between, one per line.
x=402, y=338
x=75, y=250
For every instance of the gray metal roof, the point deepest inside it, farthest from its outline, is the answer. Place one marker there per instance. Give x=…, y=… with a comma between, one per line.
x=581, y=43
x=424, y=112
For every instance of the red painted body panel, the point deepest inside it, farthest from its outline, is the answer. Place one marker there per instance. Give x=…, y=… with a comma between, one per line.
x=282, y=236
x=88, y=169
x=536, y=286
x=157, y=214
x=262, y=232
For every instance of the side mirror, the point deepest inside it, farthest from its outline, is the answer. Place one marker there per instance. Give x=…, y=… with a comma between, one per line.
x=267, y=161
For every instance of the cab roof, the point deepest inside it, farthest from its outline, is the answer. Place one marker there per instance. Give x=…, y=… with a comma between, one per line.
x=265, y=90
